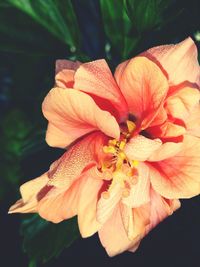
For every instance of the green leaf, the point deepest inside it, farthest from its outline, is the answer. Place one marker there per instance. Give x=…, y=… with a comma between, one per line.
x=44, y=240
x=146, y=14
x=118, y=27
x=57, y=16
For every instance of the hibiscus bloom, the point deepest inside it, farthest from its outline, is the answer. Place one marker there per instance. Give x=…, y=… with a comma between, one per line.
x=133, y=145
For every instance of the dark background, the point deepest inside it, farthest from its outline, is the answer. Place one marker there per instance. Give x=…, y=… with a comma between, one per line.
x=28, y=50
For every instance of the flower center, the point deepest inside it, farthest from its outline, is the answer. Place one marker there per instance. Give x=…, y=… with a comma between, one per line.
x=118, y=168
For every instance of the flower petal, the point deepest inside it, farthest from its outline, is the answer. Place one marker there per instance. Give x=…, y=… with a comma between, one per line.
x=65, y=71
x=166, y=150
x=167, y=130
x=72, y=114
x=139, y=192
x=29, y=192
x=79, y=158
x=178, y=176
x=113, y=235
x=95, y=78
x=64, y=64
x=181, y=104
x=60, y=204
x=65, y=79
x=87, y=207
x=106, y=206
x=144, y=87
x=140, y=148
x=192, y=123
x=160, y=208
x=55, y=196
x=180, y=61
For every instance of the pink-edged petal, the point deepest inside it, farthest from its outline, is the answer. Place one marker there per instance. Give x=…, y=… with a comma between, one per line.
x=113, y=235
x=139, y=192
x=72, y=114
x=180, y=61
x=29, y=192
x=166, y=150
x=181, y=104
x=178, y=176
x=140, y=148
x=106, y=205
x=87, y=207
x=79, y=158
x=64, y=64
x=144, y=87
x=95, y=78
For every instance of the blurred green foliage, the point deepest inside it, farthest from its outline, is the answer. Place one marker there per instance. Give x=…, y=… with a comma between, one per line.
x=34, y=33
x=120, y=36
x=56, y=16
x=15, y=129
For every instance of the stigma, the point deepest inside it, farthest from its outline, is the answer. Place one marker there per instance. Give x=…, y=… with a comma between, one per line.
x=123, y=172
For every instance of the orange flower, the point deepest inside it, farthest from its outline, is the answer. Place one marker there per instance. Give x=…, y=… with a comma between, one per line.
x=134, y=145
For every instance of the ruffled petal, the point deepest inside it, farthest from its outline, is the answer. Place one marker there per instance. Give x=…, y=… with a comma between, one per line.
x=72, y=114
x=69, y=176
x=167, y=130
x=178, y=176
x=95, y=78
x=181, y=104
x=166, y=150
x=144, y=87
x=180, y=61
x=55, y=195
x=140, y=148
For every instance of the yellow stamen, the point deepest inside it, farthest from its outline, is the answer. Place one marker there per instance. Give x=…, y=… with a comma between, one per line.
x=109, y=149
x=112, y=142
x=134, y=163
x=122, y=144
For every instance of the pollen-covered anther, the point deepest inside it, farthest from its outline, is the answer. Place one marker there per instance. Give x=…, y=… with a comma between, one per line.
x=109, y=149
